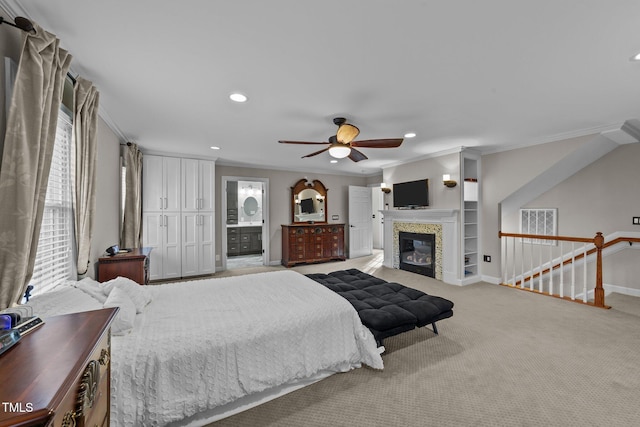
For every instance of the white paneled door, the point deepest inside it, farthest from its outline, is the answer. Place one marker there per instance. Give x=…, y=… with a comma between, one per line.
x=360, y=222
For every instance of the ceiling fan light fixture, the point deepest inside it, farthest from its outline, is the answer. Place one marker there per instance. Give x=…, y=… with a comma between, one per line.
x=410, y=135
x=339, y=151
x=238, y=97
x=347, y=133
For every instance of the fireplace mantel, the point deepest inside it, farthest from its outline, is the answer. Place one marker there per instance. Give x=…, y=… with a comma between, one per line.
x=447, y=218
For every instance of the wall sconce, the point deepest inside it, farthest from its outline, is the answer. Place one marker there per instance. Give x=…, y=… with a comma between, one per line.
x=385, y=189
x=446, y=180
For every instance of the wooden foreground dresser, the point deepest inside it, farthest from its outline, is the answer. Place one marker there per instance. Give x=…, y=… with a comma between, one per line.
x=60, y=373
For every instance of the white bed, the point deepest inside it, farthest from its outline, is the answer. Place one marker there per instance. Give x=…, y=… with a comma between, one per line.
x=192, y=352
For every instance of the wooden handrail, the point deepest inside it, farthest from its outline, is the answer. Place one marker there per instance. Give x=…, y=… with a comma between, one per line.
x=542, y=237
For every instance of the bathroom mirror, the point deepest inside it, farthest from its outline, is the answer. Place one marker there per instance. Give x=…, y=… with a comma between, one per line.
x=308, y=202
x=250, y=206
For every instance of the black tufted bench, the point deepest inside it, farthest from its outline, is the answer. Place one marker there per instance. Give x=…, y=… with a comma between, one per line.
x=386, y=308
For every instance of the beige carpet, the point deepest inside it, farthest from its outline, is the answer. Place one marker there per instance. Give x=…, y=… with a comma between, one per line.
x=505, y=358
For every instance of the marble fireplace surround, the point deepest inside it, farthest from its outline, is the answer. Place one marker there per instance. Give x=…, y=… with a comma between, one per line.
x=444, y=223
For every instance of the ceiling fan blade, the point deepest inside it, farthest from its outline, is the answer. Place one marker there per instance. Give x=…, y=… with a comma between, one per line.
x=356, y=155
x=316, y=153
x=378, y=143
x=302, y=142
x=347, y=133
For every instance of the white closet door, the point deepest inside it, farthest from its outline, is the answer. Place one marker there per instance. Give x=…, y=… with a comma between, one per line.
x=152, y=183
x=171, y=176
x=190, y=185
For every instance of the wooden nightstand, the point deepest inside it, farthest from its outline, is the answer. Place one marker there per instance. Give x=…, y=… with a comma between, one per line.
x=133, y=265
x=60, y=373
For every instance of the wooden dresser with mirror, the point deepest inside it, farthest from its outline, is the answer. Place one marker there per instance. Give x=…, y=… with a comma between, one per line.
x=310, y=238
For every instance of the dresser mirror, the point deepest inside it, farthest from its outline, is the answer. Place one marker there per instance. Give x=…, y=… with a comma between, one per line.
x=308, y=202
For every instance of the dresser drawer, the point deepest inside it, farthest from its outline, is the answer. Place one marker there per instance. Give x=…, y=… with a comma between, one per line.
x=87, y=403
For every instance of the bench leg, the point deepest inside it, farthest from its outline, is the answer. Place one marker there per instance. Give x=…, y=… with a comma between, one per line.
x=435, y=328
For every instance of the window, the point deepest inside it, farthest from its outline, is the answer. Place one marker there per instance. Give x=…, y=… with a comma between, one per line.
x=55, y=258
x=539, y=221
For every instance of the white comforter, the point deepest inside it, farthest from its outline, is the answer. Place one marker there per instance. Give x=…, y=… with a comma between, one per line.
x=202, y=344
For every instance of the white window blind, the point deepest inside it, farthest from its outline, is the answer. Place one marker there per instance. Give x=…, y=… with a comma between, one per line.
x=55, y=258
x=541, y=222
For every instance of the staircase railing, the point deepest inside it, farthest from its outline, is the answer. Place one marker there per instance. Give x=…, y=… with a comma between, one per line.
x=549, y=264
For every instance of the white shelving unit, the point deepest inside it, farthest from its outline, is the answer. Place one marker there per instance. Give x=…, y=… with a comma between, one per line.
x=470, y=217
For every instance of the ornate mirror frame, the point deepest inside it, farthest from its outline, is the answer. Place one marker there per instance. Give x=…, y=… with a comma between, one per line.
x=317, y=192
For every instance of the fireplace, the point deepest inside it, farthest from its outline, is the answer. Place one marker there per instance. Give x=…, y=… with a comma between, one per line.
x=417, y=253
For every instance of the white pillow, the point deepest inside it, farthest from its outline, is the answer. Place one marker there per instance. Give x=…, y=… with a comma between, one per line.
x=62, y=300
x=92, y=287
x=126, y=316
x=139, y=294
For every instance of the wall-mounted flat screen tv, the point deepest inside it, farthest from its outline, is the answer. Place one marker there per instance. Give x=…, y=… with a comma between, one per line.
x=411, y=195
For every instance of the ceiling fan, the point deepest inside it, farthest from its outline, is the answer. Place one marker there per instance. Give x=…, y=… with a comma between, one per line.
x=342, y=144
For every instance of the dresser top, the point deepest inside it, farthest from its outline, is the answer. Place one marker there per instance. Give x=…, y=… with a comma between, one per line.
x=315, y=224
x=129, y=254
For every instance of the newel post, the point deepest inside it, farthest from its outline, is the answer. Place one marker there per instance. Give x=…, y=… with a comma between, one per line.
x=598, y=292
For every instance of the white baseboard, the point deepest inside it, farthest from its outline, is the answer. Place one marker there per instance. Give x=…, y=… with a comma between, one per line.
x=491, y=279
x=621, y=290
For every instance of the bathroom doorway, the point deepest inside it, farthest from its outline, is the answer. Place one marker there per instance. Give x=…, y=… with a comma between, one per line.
x=245, y=222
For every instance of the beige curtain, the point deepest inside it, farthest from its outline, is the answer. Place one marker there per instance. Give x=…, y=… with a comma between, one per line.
x=132, y=218
x=26, y=160
x=86, y=100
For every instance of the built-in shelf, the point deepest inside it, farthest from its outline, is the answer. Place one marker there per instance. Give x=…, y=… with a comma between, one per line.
x=470, y=217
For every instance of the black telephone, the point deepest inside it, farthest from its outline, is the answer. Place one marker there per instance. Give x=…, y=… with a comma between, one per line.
x=112, y=250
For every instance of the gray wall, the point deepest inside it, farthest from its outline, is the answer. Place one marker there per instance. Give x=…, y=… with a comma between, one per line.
x=440, y=197
x=601, y=197
x=106, y=225
x=502, y=174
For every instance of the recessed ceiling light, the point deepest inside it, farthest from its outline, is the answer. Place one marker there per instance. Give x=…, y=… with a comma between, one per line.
x=215, y=148
x=333, y=161
x=410, y=135
x=238, y=97
x=635, y=57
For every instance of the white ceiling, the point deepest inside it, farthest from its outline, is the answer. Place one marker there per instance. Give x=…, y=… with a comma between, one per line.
x=489, y=74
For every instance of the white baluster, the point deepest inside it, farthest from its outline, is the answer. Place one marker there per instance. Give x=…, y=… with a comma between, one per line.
x=504, y=259
x=522, y=263
x=584, y=286
x=550, y=269
x=561, y=269
x=573, y=271
x=540, y=266
x=514, y=262
x=531, y=262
